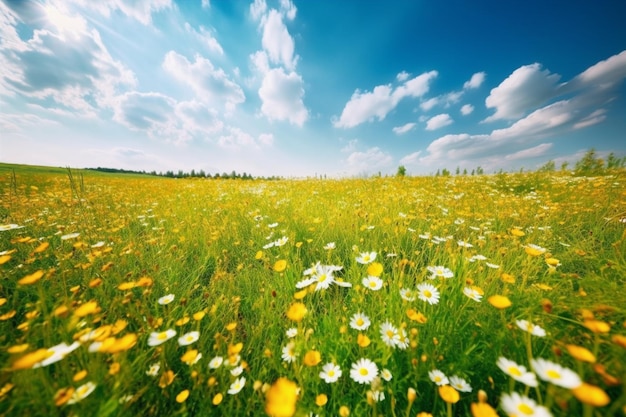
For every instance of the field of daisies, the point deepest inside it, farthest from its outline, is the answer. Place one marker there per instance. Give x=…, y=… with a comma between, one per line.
x=490, y=295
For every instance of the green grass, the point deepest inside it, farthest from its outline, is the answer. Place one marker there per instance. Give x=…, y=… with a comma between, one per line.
x=203, y=241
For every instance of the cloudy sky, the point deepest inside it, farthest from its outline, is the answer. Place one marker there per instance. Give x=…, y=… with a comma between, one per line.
x=297, y=88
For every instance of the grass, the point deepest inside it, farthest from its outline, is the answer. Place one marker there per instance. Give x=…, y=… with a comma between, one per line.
x=90, y=255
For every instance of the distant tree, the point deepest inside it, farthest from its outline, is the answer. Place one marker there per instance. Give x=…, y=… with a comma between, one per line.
x=549, y=166
x=401, y=171
x=564, y=165
x=445, y=172
x=613, y=162
x=464, y=171
x=479, y=170
x=438, y=173
x=458, y=170
x=473, y=171
x=590, y=164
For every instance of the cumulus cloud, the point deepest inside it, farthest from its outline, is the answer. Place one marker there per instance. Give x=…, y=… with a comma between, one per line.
x=411, y=159
x=235, y=139
x=277, y=41
x=467, y=109
x=533, y=152
x=399, y=130
x=206, y=38
x=372, y=160
x=141, y=10
x=62, y=66
x=210, y=84
x=350, y=146
x=475, y=82
x=258, y=9
x=376, y=104
x=526, y=88
x=282, y=96
x=403, y=76
x=439, y=121
x=288, y=9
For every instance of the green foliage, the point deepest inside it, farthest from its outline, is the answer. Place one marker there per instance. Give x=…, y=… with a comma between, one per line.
x=401, y=171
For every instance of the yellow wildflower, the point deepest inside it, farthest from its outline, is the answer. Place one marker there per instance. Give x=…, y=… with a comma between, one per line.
x=280, y=399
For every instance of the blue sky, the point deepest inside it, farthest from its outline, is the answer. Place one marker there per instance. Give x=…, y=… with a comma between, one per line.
x=299, y=88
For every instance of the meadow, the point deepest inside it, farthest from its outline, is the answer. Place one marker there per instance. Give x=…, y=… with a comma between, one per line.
x=126, y=295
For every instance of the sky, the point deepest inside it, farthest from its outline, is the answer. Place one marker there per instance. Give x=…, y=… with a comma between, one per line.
x=345, y=88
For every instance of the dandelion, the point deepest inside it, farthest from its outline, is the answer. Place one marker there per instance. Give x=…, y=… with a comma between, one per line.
x=375, y=269
x=281, y=398
x=439, y=272
x=460, y=384
x=330, y=373
x=237, y=385
x=366, y=257
x=82, y=392
x=153, y=370
x=516, y=405
x=473, y=293
x=289, y=352
x=438, y=377
x=531, y=328
x=216, y=362
x=517, y=372
x=555, y=373
x=372, y=283
x=360, y=321
x=427, y=292
x=407, y=294
x=189, y=338
x=280, y=265
x=156, y=338
x=296, y=312
x=166, y=299
x=363, y=371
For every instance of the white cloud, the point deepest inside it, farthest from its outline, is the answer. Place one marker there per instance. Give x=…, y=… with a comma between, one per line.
x=141, y=10
x=399, y=130
x=206, y=4
x=258, y=9
x=281, y=94
x=205, y=37
x=533, y=152
x=381, y=100
x=266, y=139
x=277, y=41
x=595, y=117
x=526, y=88
x=403, y=76
x=467, y=109
x=368, y=162
x=350, y=146
x=604, y=74
x=236, y=139
x=427, y=105
x=439, y=121
x=288, y=9
x=411, y=159
x=475, y=82
x=210, y=85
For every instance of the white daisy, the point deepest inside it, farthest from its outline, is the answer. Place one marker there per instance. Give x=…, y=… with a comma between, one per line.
x=517, y=372
x=189, y=338
x=363, y=371
x=366, y=257
x=386, y=374
x=517, y=405
x=330, y=373
x=289, y=352
x=156, y=338
x=472, y=293
x=237, y=385
x=407, y=294
x=427, y=292
x=555, y=373
x=389, y=334
x=460, y=384
x=216, y=362
x=154, y=369
x=531, y=328
x=360, y=321
x=440, y=272
x=438, y=377
x=166, y=299
x=292, y=332
x=82, y=392
x=372, y=283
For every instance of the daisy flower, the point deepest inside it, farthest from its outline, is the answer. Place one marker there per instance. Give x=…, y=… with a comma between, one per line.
x=517, y=372
x=439, y=272
x=156, y=338
x=82, y=392
x=363, y=371
x=464, y=244
x=515, y=404
x=154, y=369
x=330, y=373
x=236, y=371
x=166, y=299
x=360, y=321
x=386, y=374
x=531, y=328
x=366, y=257
x=189, y=338
x=407, y=294
x=472, y=293
x=216, y=362
x=438, y=377
x=237, y=385
x=555, y=373
x=389, y=334
x=460, y=384
x=427, y=292
x=329, y=246
x=289, y=352
x=292, y=332
x=372, y=283
x=57, y=353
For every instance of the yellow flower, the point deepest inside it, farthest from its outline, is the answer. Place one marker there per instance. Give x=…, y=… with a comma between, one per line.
x=597, y=326
x=144, y=282
x=235, y=349
x=90, y=307
x=619, y=340
x=199, y=315
x=508, y=278
x=592, y=395
x=411, y=395
x=280, y=265
x=449, y=394
x=483, y=409
x=166, y=378
x=416, y=316
x=114, y=369
x=296, y=312
x=321, y=400
x=499, y=301
x=424, y=414
x=190, y=356
x=362, y=340
x=217, y=399
x=258, y=255
x=63, y=395
x=300, y=294
x=18, y=348
x=312, y=358
x=80, y=375
x=31, y=279
x=27, y=361
x=126, y=286
x=375, y=269
x=113, y=345
x=182, y=396
x=231, y=326
x=517, y=232
x=581, y=353
x=280, y=399
x=4, y=259
x=344, y=411
x=42, y=247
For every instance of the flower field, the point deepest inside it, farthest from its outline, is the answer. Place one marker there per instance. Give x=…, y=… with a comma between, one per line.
x=126, y=295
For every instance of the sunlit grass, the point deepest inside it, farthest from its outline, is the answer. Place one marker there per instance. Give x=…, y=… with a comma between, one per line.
x=125, y=295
